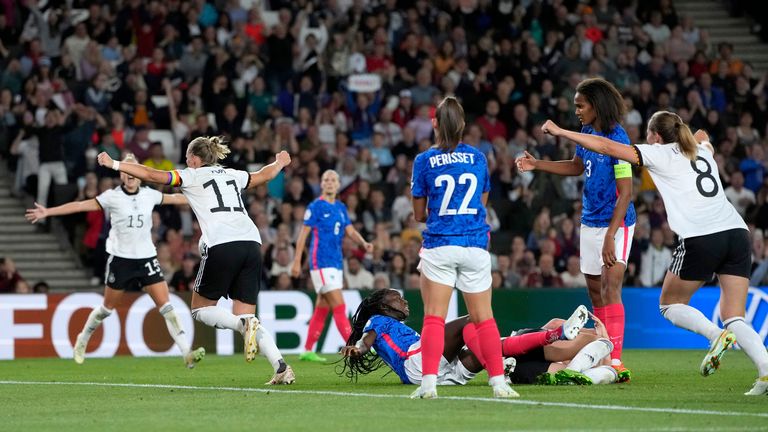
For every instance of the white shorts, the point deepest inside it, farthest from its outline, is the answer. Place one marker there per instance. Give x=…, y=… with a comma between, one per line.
x=466, y=268
x=326, y=279
x=591, y=245
x=448, y=373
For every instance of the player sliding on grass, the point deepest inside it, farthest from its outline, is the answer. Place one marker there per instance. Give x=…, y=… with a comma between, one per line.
x=132, y=262
x=230, y=245
x=713, y=237
x=378, y=324
x=608, y=215
x=328, y=221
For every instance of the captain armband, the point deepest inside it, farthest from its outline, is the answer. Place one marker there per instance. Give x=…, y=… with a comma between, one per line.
x=174, y=179
x=622, y=170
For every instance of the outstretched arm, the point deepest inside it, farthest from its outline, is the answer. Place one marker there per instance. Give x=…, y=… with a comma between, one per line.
x=595, y=143
x=361, y=347
x=174, y=199
x=40, y=212
x=267, y=173
x=571, y=167
x=141, y=172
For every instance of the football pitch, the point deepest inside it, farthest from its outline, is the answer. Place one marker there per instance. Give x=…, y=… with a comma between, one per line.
x=225, y=393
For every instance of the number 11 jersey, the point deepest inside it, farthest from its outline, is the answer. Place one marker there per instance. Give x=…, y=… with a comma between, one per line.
x=453, y=183
x=214, y=193
x=691, y=190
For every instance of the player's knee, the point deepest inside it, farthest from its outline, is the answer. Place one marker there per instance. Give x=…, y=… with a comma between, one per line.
x=607, y=342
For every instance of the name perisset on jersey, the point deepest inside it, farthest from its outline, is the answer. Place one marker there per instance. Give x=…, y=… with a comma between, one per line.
x=450, y=158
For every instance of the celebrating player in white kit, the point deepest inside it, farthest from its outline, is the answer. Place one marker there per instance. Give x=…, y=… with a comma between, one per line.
x=132, y=262
x=230, y=245
x=713, y=237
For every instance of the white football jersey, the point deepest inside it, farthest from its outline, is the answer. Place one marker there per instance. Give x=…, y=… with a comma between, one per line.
x=214, y=193
x=131, y=217
x=692, y=193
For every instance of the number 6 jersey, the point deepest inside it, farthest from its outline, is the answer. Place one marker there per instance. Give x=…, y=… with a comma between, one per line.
x=214, y=193
x=691, y=190
x=130, y=215
x=453, y=183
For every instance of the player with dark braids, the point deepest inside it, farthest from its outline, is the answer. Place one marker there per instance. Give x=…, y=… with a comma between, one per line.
x=380, y=337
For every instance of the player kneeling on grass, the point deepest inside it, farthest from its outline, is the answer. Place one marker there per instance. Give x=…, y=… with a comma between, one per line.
x=378, y=326
x=132, y=259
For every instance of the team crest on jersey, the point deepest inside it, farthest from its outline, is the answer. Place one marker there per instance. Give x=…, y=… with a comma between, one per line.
x=307, y=214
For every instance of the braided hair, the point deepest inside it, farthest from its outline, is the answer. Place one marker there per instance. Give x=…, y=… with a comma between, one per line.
x=374, y=304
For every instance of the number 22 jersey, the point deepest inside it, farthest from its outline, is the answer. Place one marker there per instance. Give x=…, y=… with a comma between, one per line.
x=453, y=183
x=214, y=193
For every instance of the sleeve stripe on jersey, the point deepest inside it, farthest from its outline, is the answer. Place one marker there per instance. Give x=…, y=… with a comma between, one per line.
x=639, y=155
x=248, y=182
x=174, y=179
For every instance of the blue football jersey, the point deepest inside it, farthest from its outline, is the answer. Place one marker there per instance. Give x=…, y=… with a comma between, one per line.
x=328, y=222
x=393, y=338
x=600, y=191
x=453, y=183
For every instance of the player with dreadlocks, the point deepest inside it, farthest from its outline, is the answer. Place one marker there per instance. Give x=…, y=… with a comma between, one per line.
x=378, y=324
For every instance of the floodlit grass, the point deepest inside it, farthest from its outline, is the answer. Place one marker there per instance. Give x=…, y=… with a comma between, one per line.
x=226, y=394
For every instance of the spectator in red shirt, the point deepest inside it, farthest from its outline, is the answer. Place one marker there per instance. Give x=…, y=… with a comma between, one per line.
x=490, y=124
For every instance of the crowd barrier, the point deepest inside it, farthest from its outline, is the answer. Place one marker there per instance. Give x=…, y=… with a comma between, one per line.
x=45, y=325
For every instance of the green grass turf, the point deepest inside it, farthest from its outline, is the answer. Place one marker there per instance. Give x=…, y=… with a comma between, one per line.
x=663, y=379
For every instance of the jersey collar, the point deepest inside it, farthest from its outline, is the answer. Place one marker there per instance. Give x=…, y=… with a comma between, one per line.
x=125, y=191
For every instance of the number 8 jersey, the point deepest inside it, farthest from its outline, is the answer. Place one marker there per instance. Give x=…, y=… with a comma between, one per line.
x=214, y=193
x=453, y=183
x=692, y=191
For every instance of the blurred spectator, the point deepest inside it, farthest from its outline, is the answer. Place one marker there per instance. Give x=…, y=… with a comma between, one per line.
x=184, y=279
x=656, y=260
x=356, y=275
x=572, y=277
x=545, y=275
x=738, y=195
x=10, y=279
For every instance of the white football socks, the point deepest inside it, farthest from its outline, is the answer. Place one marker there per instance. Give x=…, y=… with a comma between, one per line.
x=214, y=316
x=602, y=374
x=750, y=342
x=94, y=320
x=690, y=318
x=174, y=327
x=590, y=356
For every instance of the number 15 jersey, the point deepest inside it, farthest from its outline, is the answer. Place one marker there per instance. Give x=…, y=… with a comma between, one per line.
x=453, y=183
x=214, y=193
x=691, y=190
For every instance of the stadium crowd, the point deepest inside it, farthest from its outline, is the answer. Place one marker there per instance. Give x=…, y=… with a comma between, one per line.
x=146, y=77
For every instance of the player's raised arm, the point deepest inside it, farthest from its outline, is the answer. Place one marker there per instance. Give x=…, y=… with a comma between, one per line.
x=595, y=143
x=139, y=171
x=267, y=173
x=40, y=212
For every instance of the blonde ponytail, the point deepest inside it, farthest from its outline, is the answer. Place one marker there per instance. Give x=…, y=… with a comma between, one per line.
x=672, y=129
x=210, y=150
